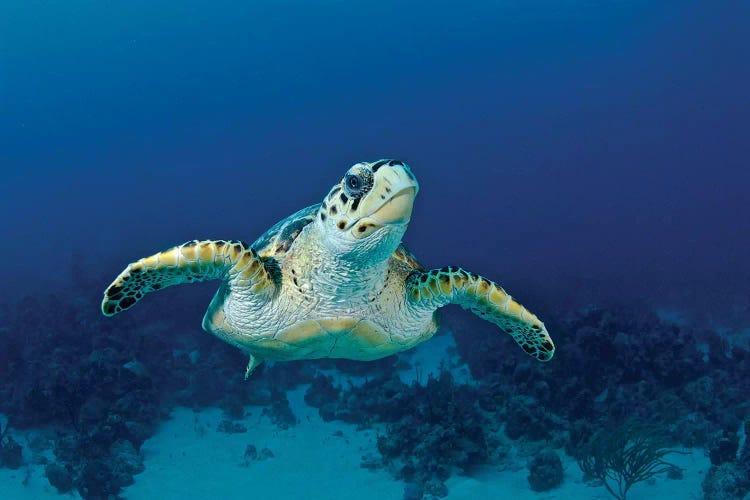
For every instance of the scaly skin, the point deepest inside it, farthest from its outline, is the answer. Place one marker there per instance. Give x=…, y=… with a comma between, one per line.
x=194, y=261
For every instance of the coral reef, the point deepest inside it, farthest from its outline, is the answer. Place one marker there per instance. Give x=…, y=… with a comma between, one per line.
x=615, y=364
x=723, y=447
x=726, y=482
x=104, y=386
x=729, y=476
x=524, y=417
x=430, y=430
x=614, y=361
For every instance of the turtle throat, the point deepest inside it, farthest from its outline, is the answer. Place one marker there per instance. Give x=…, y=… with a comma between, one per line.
x=367, y=252
x=342, y=272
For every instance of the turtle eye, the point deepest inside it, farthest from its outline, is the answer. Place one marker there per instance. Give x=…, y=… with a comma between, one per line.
x=353, y=184
x=356, y=185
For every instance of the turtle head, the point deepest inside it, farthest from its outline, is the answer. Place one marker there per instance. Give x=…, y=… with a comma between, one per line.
x=366, y=214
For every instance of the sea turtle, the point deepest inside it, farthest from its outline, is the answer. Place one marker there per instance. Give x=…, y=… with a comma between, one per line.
x=332, y=280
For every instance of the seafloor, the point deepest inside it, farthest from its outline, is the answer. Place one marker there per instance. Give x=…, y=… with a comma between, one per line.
x=147, y=405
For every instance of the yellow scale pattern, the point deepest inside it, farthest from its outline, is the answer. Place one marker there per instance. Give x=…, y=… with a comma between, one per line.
x=190, y=262
x=453, y=285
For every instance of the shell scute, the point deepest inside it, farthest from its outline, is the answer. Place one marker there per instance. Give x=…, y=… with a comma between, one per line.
x=279, y=238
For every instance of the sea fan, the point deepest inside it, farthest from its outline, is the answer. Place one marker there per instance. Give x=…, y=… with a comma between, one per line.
x=621, y=457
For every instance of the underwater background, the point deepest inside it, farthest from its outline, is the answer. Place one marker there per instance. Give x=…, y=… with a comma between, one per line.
x=590, y=156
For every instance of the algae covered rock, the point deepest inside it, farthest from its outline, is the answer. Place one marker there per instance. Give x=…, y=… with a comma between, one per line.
x=11, y=453
x=60, y=477
x=726, y=482
x=545, y=471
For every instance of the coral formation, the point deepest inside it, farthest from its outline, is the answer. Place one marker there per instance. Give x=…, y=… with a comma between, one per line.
x=723, y=447
x=616, y=362
x=726, y=482
x=229, y=427
x=59, y=476
x=96, y=382
x=545, y=471
x=430, y=430
x=280, y=412
x=729, y=476
x=11, y=453
x=252, y=455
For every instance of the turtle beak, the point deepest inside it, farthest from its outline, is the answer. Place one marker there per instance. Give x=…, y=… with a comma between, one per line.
x=390, y=201
x=398, y=209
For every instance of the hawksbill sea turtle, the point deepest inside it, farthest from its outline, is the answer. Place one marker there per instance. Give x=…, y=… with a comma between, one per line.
x=330, y=281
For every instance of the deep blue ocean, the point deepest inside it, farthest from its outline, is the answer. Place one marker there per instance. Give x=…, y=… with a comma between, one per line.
x=592, y=157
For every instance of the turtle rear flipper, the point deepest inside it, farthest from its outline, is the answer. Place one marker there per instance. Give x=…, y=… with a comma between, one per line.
x=453, y=285
x=191, y=262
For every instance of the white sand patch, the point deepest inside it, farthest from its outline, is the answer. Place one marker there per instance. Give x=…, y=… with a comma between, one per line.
x=29, y=481
x=188, y=458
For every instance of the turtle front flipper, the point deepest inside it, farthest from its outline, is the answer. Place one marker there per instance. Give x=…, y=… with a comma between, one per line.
x=194, y=261
x=453, y=285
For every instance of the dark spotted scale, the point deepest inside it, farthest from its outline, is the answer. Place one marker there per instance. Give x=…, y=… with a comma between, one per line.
x=280, y=237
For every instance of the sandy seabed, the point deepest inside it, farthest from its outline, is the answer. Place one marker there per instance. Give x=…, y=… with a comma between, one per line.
x=188, y=458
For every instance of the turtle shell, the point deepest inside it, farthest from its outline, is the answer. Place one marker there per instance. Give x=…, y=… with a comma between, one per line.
x=280, y=237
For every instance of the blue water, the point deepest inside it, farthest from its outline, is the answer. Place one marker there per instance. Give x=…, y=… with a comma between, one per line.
x=582, y=154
